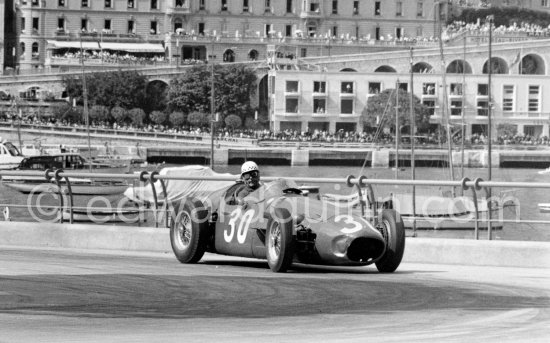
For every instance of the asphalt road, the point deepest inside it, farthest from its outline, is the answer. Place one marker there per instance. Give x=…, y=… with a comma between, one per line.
x=81, y=296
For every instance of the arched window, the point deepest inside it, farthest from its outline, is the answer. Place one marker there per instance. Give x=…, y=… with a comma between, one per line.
x=35, y=53
x=229, y=56
x=253, y=55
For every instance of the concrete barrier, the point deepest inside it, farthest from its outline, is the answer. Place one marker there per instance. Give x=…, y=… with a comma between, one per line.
x=418, y=250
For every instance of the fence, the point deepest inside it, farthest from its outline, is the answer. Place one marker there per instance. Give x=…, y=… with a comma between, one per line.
x=362, y=195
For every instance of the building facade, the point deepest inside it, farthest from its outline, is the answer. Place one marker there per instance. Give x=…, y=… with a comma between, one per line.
x=462, y=92
x=222, y=30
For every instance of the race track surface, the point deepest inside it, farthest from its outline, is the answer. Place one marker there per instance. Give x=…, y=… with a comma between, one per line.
x=81, y=296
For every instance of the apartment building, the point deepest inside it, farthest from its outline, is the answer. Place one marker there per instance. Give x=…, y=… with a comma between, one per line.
x=222, y=30
x=463, y=92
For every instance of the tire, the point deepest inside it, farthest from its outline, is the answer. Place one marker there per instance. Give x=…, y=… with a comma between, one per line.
x=189, y=232
x=393, y=230
x=279, y=241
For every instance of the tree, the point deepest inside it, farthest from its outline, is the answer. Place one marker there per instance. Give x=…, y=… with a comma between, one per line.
x=99, y=112
x=126, y=89
x=198, y=119
x=119, y=114
x=177, y=118
x=136, y=115
x=380, y=110
x=233, y=121
x=64, y=111
x=158, y=117
x=234, y=88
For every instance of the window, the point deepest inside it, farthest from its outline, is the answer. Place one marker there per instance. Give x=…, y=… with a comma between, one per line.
x=399, y=9
x=22, y=49
x=107, y=24
x=154, y=28
x=398, y=32
x=289, y=7
x=84, y=3
x=84, y=24
x=420, y=9
x=245, y=5
x=34, y=3
x=61, y=3
x=335, y=31
x=288, y=30
x=303, y=52
x=430, y=104
x=356, y=7
x=346, y=87
x=483, y=108
x=375, y=87
x=346, y=106
x=291, y=105
x=60, y=24
x=314, y=7
x=428, y=88
x=319, y=86
x=154, y=5
x=419, y=31
x=267, y=29
x=404, y=86
x=22, y=24
x=224, y=5
x=130, y=3
x=35, y=24
x=534, y=93
x=482, y=89
x=107, y=3
x=334, y=6
x=456, y=89
x=291, y=87
x=545, y=3
x=268, y=6
x=202, y=6
x=456, y=107
x=377, y=10
x=508, y=98
x=34, y=51
x=201, y=28
x=319, y=106
x=131, y=27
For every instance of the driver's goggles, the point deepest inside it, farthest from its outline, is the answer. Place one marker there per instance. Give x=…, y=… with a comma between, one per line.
x=251, y=174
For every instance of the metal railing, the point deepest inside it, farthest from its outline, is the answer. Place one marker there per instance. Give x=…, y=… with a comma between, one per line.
x=361, y=185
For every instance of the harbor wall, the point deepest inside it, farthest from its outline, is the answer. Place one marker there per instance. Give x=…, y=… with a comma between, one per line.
x=418, y=250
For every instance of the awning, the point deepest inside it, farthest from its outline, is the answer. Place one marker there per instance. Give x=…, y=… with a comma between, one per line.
x=54, y=44
x=133, y=47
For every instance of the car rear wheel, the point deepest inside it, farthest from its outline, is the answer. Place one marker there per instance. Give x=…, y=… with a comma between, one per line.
x=280, y=241
x=393, y=230
x=189, y=232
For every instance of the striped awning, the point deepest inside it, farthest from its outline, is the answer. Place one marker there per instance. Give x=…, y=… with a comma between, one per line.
x=132, y=47
x=54, y=44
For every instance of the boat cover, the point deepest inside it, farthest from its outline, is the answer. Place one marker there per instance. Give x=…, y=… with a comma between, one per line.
x=176, y=190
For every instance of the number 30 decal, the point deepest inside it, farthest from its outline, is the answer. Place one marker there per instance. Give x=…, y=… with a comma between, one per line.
x=243, y=220
x=348, y=220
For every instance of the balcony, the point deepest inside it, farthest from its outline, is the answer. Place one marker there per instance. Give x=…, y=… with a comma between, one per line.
x=316, y=14
x=184, y=9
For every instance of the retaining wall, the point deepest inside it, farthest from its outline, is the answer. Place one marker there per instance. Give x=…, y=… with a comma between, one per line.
x=418, y=250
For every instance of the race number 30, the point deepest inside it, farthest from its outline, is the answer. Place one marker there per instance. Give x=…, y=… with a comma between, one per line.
x=238, y=223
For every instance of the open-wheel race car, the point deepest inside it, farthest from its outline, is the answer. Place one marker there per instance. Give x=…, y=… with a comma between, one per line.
x=278, y=223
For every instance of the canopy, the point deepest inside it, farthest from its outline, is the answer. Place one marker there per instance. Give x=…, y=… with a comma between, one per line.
x=54, y=44
x=132, y=47
x=180, y=189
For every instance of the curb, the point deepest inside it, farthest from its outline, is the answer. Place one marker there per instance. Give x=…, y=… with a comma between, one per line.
x=146, y=239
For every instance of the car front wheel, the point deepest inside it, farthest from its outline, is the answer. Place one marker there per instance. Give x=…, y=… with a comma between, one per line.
x=393, y=230
x=189, y=232
x=280, y=241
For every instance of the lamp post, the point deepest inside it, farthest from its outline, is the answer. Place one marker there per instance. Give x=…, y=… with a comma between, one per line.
x=490, y=19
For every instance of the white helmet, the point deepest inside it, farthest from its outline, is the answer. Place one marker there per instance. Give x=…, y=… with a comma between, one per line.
x=249, y=166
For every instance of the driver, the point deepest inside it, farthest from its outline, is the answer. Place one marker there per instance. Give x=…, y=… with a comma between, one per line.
x=250, y=175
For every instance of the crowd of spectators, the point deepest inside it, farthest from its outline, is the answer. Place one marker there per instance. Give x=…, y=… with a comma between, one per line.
x=458, y=28
x=288, y=135
x=111, y=57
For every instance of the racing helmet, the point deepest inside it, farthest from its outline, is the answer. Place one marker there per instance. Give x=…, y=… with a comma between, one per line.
x=249, y=166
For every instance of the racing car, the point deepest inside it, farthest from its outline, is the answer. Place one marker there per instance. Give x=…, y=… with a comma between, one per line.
x=279, y=223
